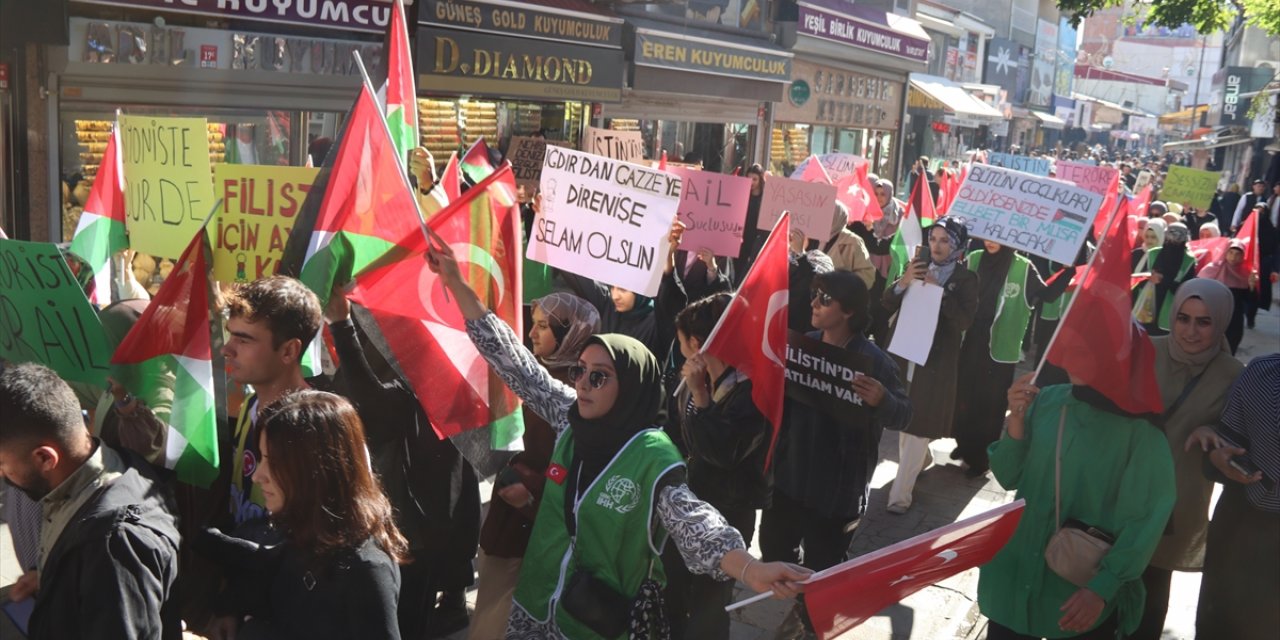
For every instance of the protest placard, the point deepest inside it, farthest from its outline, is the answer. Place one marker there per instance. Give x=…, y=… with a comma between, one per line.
x=627, y=146
x=812, y=206
x=917, y=323
x=1187, y=186
x=251, y=227
x=168, y=190
x=1037, y=166
x=713, y=207
x=604, y=219
x=45, y=316
x=1047, y=217
x=821, y=375
x=525, y=155
x=1087, y=176
x=837, y=165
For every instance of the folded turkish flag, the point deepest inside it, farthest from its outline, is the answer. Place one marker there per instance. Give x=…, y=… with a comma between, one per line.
x=847, y=594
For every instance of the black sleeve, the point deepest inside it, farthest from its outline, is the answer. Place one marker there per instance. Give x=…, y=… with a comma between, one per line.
x=670, y=301
x=386, y=408
x=372, y=589
x=140, y=567
x=587, y=289
x=726, y=433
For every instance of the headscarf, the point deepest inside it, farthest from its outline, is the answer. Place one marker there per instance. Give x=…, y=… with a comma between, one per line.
x=993, y=269
x=839, y=219
x=639, y=399
x=1157, y=225
x=1169, y=262
x=1164, y=208
x=958, y=234
x=1177, y=233
x=1217, y=298
x=577, y=320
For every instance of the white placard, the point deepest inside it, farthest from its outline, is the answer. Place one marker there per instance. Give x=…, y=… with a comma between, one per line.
x=917, y=322
x=604, y=219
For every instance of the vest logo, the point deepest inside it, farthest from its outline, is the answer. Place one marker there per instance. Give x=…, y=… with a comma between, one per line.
x=250, y=463
x=557, y=473
x=1011, y=289
x=620, y=494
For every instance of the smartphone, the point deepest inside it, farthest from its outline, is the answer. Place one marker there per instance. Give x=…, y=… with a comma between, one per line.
x=922, y=255
x=508, y=476
x=1246, y=467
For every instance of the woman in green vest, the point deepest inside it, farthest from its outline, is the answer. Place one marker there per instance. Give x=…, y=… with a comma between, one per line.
x=1009, y=287
x=1170, y=265
x=616, y=489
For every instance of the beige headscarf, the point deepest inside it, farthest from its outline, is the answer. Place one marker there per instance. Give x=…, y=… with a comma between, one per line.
x=1217, y=297
x=579, y=317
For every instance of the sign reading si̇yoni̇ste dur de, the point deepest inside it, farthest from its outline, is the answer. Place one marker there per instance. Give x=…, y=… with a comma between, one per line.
x=168, y=188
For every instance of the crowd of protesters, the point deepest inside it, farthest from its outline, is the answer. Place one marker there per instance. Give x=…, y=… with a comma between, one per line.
x=339, y=513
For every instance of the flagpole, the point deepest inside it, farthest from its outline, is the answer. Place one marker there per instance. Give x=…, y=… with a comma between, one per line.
x=1044, y=357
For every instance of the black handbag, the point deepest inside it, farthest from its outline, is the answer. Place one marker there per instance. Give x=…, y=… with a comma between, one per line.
x=597, y=605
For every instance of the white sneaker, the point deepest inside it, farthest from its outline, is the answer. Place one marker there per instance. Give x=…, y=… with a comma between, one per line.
x=897, y=509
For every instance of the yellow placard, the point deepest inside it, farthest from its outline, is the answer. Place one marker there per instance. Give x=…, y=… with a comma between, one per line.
x=259, y=205
x=168, y=192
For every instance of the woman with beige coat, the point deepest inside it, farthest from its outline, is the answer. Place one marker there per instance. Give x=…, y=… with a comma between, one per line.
x=847, y=251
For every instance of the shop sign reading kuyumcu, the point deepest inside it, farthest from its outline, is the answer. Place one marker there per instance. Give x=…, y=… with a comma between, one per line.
x=349, y=15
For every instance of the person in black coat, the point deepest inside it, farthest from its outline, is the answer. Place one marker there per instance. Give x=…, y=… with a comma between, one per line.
x=433, y=488
x=726, y=439
x=335, y=574
x=114, y=559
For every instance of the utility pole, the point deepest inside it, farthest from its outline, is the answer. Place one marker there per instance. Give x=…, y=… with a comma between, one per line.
x=1199, y=74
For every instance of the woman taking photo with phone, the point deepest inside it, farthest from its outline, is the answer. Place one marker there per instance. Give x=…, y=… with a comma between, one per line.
x=617, y=489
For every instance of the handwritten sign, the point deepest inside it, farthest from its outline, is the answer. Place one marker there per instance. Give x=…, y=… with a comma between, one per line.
x=821, y=375
x=1087, y=176
x=627, y=146
x=605, y=219
x=45, y=316
x=168, y=192
x=812, y=206
x=713, y=207
x=1037, y=166
x=1047, y=217
x=258, y=208
x=1188, y=186
x=838, y=165
x=525, y=155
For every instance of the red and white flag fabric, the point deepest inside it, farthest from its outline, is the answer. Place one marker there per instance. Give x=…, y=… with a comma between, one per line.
x=1248, y=234
x=1108, y=207
x=846, y=595
x=813, y=171
x=1099, y=342
x=859, y=195
x=751, y=336
x=100, y=232
x=398, y=95
x=1208, y=250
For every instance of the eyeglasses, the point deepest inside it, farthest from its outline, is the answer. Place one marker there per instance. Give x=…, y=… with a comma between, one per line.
x=822, y=297
x=596, y=378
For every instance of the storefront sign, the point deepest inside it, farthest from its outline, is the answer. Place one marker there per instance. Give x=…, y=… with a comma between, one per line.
x=349, y=15
x=941, y=127
x=168, y=193
x=861, y=27
x=812, y=206
x=627, y=146
x=1038, y=166
x=259, y=204
x=44, y=315
x=102, y=42
x=474, y=63
x=604, y=219
x=672, y=51
x=841, y=98
x=1187, y=186
x=713, y=208
x=1230, y=83
x=520, y=19
x=821, y=375
x=1046, y=217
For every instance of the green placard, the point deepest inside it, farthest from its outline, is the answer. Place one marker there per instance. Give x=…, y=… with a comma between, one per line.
x=45, y=316
x=1187, y=186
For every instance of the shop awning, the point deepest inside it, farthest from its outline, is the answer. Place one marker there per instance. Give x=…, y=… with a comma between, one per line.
x=1207, y=142
x=1185, y=116
x=1049, y=121
x=933, y=92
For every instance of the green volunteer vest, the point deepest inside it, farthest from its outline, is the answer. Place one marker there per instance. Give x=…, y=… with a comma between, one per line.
x=1165, y=314
x=1013, y=314
x=1052, y=311
x=615, y=539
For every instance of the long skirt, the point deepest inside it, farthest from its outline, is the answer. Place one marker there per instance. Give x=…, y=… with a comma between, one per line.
x=1240, y=590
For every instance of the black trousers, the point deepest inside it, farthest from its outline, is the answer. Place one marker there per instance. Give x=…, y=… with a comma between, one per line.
x=788, y=527
x=1157, y=582
x=981, y=399
x=1105, y=631
x=695, y=603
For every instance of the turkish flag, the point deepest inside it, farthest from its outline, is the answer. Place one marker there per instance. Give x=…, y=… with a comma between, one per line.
x=1099, y=342
x=847, y=594
x=814, y=172
x=1248, y=234
x=948, y=187
x=1109, y=203
x=751, y=336
x=859, y=195
x=1208, y=250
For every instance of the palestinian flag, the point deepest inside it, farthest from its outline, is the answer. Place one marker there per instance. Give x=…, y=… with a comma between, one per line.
x=919, y=214
x=426, y=333
x=100, y=233
x=398, y=94
x=448, y=189
x=166, y=360
x=365, y=206
x=475, y=164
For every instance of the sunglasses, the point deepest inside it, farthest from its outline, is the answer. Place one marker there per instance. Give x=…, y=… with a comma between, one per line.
x=822, y=297
x=596, y=378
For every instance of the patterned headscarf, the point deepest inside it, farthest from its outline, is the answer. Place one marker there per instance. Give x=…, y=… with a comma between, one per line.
x=573, y=318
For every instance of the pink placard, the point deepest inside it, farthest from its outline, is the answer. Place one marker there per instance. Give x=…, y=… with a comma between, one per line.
x=713, y=207
x=1086, y=176
x=812, y=206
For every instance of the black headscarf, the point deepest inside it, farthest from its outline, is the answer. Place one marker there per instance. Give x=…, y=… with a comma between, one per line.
x=639, y=400
x=993, y=268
